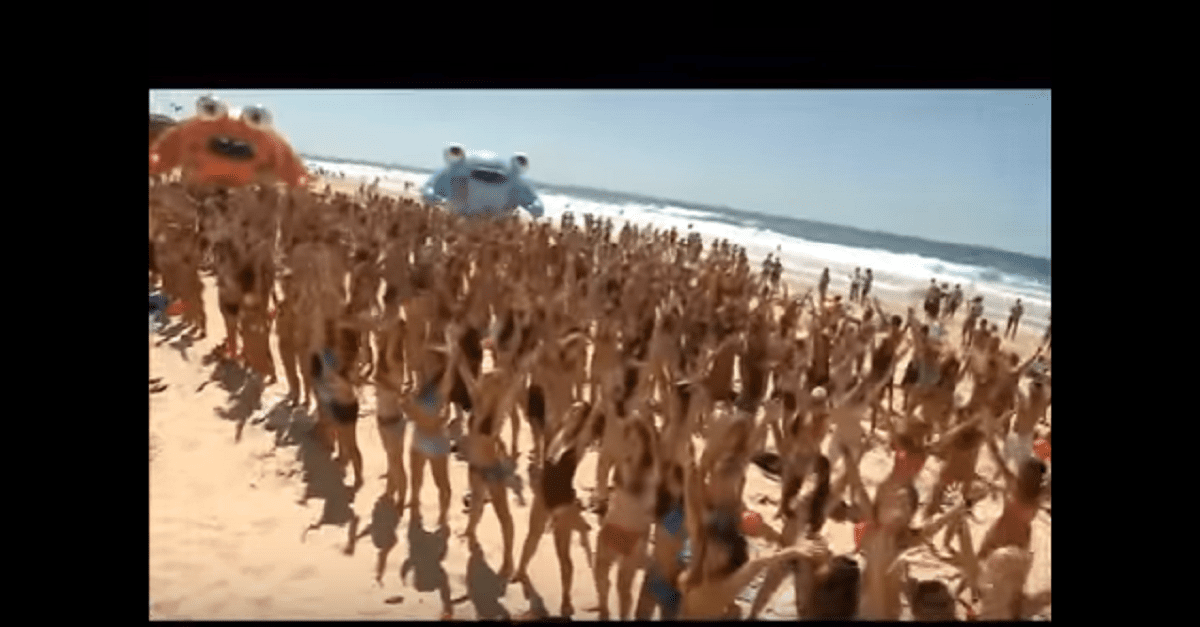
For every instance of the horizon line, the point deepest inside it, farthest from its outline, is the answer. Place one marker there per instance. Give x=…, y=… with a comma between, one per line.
x=360, y=161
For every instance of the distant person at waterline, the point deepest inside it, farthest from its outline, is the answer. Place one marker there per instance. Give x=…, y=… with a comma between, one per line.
x=974, y=312
x=955, y=299
x=933, y=300
x=866, y=286
x=776, y=273
x=854, y=285
x=1014, y=318
x=823, y=284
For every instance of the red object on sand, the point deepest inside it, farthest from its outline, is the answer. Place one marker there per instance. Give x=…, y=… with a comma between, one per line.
x=1042, y=449
x=751, y=523
x=860, y=532
x=176, y=308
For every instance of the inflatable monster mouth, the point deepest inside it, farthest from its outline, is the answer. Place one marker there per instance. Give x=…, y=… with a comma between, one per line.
x=486, y=198
x=489, y=177
x=230, y=148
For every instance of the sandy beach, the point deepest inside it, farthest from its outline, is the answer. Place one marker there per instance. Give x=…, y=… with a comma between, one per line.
x=249, y=519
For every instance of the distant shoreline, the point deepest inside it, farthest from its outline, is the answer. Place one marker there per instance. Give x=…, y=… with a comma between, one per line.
x=1020, y=264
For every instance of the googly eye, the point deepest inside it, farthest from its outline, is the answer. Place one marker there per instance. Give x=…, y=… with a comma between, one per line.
x=256, y=116
x=520, y=162
x=209, y=108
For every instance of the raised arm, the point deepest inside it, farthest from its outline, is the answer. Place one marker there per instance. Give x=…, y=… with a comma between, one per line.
x=868, y=388
x=784, y=446
x=932, y=527
x=879, y=309
x=857, y=490
x=1034, y=356
x=584, y=436
x=742, y=577
x=694, y=516
x=947, y=437
x=464, y=371
x=997, y=456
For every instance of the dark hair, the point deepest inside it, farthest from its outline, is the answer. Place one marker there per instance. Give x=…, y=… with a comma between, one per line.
x=836, y=596
x=422, y=277
x=1029, y=478
x=967, y=438
x=913, y=498
x=391, y=294
x=816, y=513
x=931, y=600
x=789, y=402
x=723, y=527
x=245, y=278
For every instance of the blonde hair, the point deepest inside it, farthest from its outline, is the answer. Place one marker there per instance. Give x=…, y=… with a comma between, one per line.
x=1003, y=580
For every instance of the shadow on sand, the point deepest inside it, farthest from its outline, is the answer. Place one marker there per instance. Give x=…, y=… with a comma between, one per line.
x=426, y=550
x=175, y=336
x=245, y=395
x=286, y=421
x=170, y=332
x=384, y=521
x=537, y=606
x=228, y=375
x=324, y=479
x=485, y=588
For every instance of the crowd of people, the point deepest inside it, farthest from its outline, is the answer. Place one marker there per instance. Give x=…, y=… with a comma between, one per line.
x=674, y=362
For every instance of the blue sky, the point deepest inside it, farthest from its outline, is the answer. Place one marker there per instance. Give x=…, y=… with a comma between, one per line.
x=970, y=166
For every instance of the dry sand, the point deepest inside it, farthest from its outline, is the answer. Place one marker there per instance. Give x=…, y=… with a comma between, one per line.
x=249, y=520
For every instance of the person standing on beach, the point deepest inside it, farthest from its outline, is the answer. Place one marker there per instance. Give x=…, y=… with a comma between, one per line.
x=974, y=312
x=933, y=300
x=955, y=299
x=1014, y=318
x=1046, y=337
x=823, y=284
x=854, y=285
x=866, y=286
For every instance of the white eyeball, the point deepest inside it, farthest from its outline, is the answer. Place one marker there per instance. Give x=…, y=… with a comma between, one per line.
x=455, y=153
x=256, y=116
x=209, y=108
x=520, y=162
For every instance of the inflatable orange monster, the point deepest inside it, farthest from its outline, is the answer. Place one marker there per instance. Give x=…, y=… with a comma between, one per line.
x=216, y=149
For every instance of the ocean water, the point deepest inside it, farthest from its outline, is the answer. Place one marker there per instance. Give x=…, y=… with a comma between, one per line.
x=902, y=265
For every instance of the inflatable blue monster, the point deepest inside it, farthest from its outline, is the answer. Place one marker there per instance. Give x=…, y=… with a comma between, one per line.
x=479, y=183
